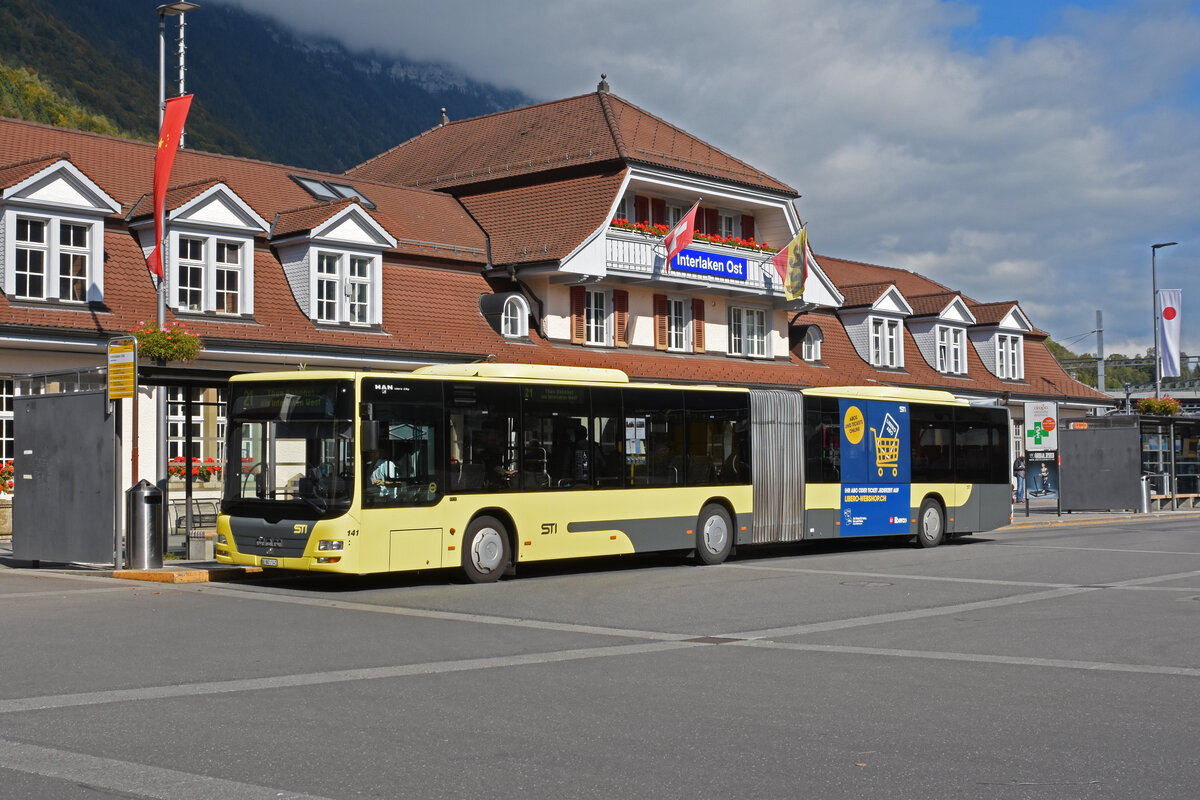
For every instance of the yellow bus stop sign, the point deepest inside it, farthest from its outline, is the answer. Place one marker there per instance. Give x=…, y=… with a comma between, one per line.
x=122, y=369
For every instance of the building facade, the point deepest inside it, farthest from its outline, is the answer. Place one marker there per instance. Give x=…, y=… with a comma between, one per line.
x=531, y=236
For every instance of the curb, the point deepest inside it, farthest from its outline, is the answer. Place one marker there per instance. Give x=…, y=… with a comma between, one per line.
x=170, y=575
x=1067, y=519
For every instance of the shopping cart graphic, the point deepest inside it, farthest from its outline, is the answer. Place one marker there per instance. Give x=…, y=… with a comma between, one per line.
x=887, y=445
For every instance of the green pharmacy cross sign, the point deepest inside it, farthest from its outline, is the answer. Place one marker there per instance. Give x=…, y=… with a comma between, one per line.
x=1037, y=433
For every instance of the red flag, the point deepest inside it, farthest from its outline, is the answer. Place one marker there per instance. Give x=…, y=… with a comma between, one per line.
x=168, y=144
x=681, y=235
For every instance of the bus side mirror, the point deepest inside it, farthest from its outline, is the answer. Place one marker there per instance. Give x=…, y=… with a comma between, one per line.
x=370, y=435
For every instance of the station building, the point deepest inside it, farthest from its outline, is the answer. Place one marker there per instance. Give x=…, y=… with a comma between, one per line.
x=529, y=236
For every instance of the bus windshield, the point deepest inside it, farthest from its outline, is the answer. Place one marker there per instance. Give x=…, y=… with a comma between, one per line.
x=295, y=442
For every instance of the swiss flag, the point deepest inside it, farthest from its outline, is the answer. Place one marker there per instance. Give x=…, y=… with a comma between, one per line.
x=681, y=235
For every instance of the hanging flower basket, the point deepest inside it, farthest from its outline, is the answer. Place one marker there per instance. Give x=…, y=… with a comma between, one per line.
x=172, y=343
x=1162, y=406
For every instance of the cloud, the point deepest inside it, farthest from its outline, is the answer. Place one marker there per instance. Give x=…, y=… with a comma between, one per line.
x=1039, y=169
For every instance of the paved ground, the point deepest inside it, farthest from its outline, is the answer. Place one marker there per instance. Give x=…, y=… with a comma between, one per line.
x=1053, y=662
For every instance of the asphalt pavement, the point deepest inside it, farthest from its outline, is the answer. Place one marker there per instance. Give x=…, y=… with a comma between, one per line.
x=1055, y=662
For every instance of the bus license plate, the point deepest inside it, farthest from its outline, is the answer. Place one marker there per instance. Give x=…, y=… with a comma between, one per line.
x=270, y=562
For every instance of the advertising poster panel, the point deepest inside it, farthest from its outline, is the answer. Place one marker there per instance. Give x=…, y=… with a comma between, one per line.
x=875, y=468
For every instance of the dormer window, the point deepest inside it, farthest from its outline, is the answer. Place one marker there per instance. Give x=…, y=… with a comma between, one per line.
x=52, y=234
x=345, y=284
x=951, y=350
x=810, y=347
x=514, y=320
x=208, y=273
x=53, y=259
x=886, y=343
x=1010, y=356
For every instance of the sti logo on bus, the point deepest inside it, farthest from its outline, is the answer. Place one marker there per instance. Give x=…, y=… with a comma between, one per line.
x=300, y=529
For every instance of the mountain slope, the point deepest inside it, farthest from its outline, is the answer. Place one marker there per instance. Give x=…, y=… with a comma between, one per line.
x=260, y=91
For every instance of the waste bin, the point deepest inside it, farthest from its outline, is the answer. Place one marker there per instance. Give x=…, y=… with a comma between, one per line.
x=1145, y=494
x=144, y=526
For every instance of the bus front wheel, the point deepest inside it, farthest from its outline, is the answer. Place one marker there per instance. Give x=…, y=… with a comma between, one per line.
x=486, y=551
x=714, y=534
x=931, y=524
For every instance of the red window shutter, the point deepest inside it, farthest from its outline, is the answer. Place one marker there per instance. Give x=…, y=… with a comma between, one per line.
x=747, y=226
x=658, y=211
x=660, y=322
x=641, y=208
x=698, y=325
x=621, y=316
x=712, y=222
x=578, y=299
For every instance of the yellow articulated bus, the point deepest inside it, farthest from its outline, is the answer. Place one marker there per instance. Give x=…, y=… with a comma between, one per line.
x=482, y=467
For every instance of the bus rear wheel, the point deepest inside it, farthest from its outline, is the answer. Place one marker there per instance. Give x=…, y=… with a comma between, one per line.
x=714, y=534
x=931, y=524
x=486, y=551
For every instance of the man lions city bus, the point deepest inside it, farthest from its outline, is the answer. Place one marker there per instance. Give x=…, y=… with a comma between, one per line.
x=481, y=467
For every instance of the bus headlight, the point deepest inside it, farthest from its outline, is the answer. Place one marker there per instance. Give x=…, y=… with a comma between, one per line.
x=326, y=544
x=221, y=539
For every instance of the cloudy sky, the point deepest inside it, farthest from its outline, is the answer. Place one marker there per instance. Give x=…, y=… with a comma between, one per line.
x=1011, y=149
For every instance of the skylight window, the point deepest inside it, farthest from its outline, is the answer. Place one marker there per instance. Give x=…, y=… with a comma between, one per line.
x=331, y=190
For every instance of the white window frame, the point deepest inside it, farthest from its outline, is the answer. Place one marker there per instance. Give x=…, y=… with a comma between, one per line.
x=52, y=252
x=810, y=347
x=951, y=350
x=514, y=318
x=748, y=332
x=346, y=294
x=6, y=421
x=597, y=317
x=1010, y=356
x=679, y=324
x=887, y=342
x=211, y=266
x=727, y=224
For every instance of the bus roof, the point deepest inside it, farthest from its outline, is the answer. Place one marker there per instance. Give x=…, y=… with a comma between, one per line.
x=894, y=393
x=526, y=372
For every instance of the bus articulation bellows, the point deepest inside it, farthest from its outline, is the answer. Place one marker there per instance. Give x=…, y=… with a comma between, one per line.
x=482, y=467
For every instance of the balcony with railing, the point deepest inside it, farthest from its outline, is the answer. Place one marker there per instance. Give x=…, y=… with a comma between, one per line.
x=637, y=255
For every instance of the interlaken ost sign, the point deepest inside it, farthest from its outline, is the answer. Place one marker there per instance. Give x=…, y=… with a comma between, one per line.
x=696, y=262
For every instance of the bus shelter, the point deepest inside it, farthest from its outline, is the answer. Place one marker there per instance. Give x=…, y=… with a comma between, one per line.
x=1131, y=461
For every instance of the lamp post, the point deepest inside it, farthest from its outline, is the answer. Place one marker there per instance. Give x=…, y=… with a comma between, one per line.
x=177, y=9
x=1157, y=314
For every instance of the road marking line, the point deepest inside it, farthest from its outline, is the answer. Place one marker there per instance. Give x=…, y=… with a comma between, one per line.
x=58, y=593
x=1025, y=661
x=17, y=705
x=128, y=778
x=1097, y=549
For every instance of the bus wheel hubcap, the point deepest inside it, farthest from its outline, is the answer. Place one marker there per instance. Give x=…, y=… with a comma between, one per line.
x=932, y=523
x=487, y=550
x=715, y=534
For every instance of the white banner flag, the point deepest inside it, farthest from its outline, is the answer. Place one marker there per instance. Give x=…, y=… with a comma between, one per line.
x=1168, y=324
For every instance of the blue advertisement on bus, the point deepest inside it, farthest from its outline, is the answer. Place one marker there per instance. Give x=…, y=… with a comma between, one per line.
x=875, y=468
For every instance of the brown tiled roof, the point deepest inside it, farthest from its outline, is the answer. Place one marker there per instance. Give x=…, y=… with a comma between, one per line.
x=12, y=174
x=590, y=129
x=862, y=294
x=1043, y=375
x=301, y=220
x=545, y=221
x=846, y=273
x=125, y=170
x=930, y=305
x=991, y=313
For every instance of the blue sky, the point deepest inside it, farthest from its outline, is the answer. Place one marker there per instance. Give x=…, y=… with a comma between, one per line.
x=1012, y=150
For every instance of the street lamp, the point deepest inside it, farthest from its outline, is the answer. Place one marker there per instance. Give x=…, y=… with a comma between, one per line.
x=177, y=9
x=1157, y=314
